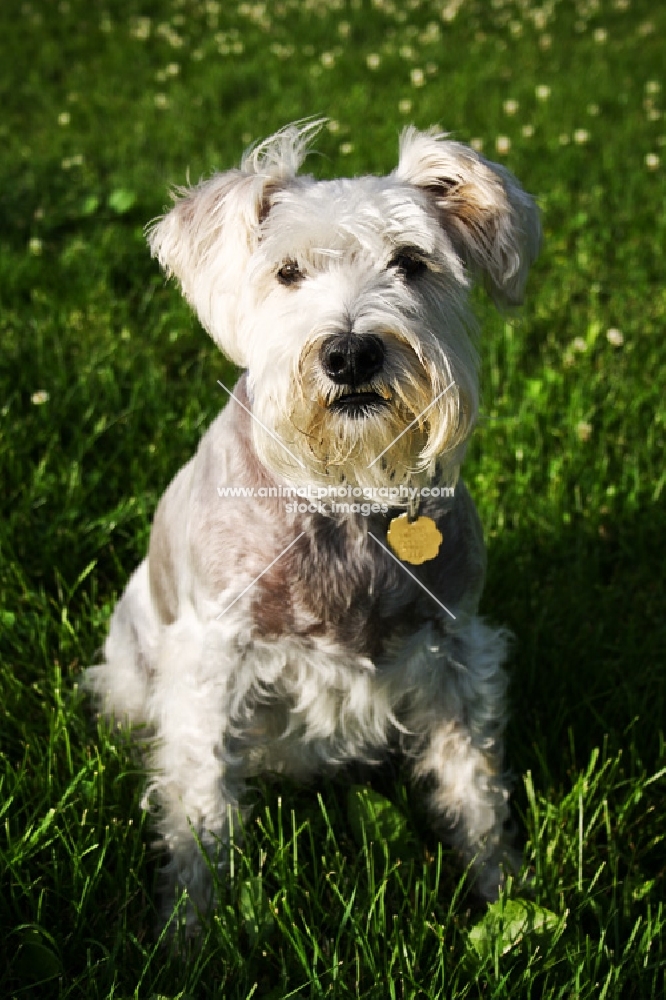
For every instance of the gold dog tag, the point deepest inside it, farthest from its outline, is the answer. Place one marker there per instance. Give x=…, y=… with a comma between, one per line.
x=416, y=541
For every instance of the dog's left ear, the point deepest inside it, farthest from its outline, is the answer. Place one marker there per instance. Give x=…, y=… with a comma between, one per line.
x=493, y=223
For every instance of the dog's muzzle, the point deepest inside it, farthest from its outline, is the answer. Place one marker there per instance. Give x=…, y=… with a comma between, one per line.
x=352, y=361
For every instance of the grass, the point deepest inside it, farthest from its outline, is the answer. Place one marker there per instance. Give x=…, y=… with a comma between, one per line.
x=108, y=383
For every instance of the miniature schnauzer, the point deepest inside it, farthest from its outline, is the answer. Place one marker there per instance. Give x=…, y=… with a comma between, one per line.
x=310, y=592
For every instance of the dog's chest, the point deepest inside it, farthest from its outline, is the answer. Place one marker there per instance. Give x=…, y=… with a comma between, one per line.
x=338, y=585
x=331, y=588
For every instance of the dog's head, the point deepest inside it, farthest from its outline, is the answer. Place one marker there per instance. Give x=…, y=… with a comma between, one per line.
x=346, y=300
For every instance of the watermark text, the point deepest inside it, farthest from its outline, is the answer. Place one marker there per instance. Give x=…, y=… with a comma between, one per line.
x=313, y=499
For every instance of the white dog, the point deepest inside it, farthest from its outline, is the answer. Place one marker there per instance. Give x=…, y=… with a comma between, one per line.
x=276, y=630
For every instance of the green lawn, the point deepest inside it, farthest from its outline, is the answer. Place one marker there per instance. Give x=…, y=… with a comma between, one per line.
x=108, y=382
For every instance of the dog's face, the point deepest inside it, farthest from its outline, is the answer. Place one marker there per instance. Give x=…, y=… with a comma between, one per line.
x=346, y=300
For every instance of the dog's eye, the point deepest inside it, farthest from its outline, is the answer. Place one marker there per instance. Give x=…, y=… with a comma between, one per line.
x=410, y=264
x=290, y=273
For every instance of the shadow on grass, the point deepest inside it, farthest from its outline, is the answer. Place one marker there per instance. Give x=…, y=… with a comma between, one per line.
x=585, y=604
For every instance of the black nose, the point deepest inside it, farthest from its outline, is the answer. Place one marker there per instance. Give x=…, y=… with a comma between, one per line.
x=351, y=358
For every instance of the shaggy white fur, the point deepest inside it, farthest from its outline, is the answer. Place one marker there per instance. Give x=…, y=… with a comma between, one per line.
x=259, y=635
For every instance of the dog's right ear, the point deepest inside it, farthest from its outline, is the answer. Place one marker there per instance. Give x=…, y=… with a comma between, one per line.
x=208, y=237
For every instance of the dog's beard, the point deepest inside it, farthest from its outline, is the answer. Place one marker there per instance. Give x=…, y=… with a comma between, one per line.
x=392, y=430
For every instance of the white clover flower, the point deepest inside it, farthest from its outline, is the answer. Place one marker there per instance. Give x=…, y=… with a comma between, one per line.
x=545, y=41
x=173, y=69
x=527, y=131
x=40, y=397
x=579, y=345
x=282, y=51
x=502, y=144
x=581, y=136
x=539, y=18
x=564, y=139
x=593, y=109
x=373, y=60
x=140, y=28
x=405, y=106
x=510, y=107
x=72, y=161
x=417, y=77
x=344, y=29
x=652, y=161
x=450, y=9
x=584, y=430
x=64, y=118
x=431, y=34
x=652, y=87
x=477, y=144
x=333, y=125
x=406, y=52
x=161, y=101
x=35, y=246
x=327, y=60
x=600, y=36
x=346, y=148
x=542, y=92
x=614, y=337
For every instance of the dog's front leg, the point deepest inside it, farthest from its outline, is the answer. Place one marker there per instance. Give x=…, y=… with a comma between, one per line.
x=460, y=753
x=191, y=791
x=469, y=802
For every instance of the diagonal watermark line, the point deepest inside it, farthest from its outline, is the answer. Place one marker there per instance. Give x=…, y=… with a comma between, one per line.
x=263, y=573
x=414, y=421
x=415, y=578
x=268, y=431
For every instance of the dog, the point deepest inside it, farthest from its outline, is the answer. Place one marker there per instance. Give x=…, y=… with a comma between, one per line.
x=310, y=592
